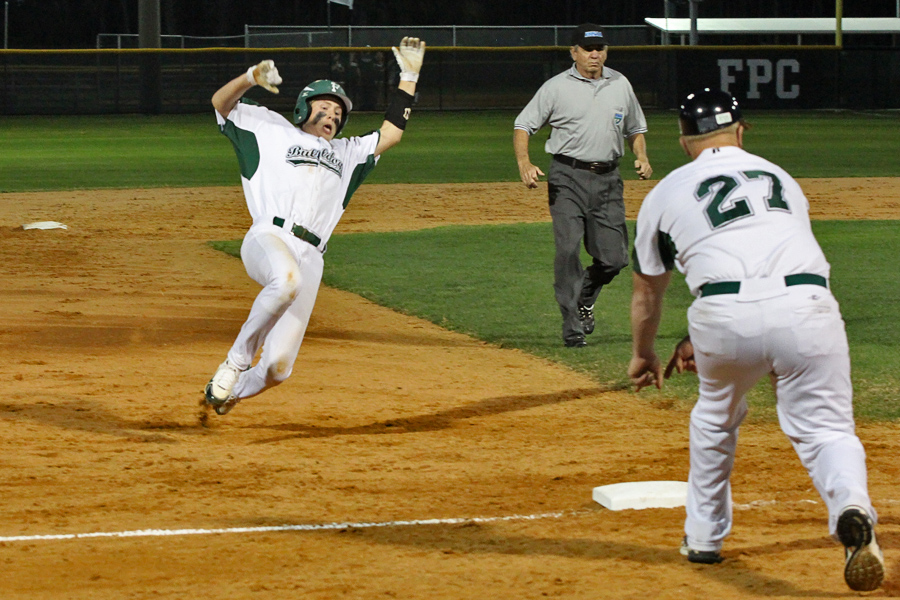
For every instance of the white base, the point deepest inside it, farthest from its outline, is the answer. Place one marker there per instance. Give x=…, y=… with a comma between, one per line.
x=642, y=494
x=44, y=225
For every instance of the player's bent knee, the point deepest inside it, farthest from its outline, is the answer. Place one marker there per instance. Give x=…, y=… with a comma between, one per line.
x=603, y=274
x=288, y=286
x=279, y=371
x=617, y=264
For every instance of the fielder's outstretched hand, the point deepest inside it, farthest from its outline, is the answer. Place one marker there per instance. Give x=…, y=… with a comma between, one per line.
x=265, y=74
x=409, y=56
x=683, y=358
x=644, y=371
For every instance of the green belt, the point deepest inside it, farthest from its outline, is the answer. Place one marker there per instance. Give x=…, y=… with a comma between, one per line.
x=716, y=288
x=301, y=232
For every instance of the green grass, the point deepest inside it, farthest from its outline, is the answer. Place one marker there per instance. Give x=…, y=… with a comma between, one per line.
x=89, y=152
x=495, y=282
x=121, y=151
x=804, y=143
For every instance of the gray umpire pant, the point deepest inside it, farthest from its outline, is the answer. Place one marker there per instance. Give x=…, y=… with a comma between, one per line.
x=587, y=209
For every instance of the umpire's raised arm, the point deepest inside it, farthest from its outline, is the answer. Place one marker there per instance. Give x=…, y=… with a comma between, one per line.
x=409, y=56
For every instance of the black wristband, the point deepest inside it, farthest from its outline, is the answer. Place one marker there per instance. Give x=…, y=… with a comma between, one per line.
x=398, y=111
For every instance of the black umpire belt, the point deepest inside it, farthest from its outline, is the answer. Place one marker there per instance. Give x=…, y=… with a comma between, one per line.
x=300, y=232
x=600, y=168
x=716, y=288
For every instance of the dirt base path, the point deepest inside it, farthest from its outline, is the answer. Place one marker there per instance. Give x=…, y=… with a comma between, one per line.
x=111, y=328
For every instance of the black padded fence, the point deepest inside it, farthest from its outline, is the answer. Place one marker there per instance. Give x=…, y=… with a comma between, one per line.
x=183, y=81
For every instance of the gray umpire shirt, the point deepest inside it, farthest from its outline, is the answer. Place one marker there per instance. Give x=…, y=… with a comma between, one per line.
x=589, y=117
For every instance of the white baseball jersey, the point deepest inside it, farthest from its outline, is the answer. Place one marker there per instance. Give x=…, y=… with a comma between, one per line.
x=728, y=215
x=288, y=173
x=731, y=216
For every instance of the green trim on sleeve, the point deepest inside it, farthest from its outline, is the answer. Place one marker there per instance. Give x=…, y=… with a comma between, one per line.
x=667, y=250
x=359, y=174
x=245, y=146
x=361, y=171
x=635, y=263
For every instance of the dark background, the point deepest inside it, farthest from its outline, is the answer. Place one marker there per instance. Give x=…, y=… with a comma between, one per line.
x=76, y=23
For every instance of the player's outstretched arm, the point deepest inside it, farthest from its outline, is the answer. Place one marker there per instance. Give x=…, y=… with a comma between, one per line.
x=409, y=56
x=638, y=145
x=264, y=74
x=646, y=311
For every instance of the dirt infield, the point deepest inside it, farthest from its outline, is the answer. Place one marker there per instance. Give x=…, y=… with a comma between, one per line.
x=111, y=328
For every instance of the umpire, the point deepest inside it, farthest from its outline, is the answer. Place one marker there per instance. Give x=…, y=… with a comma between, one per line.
x=591, y=109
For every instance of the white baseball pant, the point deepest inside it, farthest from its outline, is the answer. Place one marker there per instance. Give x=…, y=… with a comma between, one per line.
x=290, y=271
x=797, y=335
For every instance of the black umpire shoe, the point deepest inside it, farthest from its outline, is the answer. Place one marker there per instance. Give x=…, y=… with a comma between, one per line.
x=706, y=557
x=586, y=314
x=577, y=342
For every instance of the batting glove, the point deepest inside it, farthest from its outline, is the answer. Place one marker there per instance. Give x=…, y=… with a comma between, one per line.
x=264, y=74
x=409, y=56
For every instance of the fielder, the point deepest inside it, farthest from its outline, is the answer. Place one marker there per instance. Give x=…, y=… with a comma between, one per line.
x=297, y=182
x=738, y=227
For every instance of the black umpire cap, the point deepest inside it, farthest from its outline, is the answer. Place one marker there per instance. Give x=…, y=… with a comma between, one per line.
x=588, y=34
x=708, y=110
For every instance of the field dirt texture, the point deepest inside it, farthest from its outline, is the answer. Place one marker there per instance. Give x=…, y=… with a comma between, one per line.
x=411, y=461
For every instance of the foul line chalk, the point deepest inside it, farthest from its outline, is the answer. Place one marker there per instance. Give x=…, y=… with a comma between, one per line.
x=265, y=529
x=333, y=526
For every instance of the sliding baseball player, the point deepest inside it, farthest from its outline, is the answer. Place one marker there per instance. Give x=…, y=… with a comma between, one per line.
x=298, y=178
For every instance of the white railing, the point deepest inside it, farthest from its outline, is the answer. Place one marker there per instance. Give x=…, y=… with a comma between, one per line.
x=436, y=35
x=119, y=41
x=287, y=36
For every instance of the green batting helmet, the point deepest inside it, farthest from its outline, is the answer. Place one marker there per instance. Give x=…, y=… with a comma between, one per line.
x=321, y=87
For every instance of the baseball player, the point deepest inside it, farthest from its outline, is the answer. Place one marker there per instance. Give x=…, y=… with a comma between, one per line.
x=738, y=227
x=591, y=109
x=297, y=180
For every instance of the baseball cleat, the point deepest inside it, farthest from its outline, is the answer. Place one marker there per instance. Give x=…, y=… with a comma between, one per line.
x=586, y=314
x=864, y=568
x=225, y=407
x=218, y=391
x=576, y=343
x=706, y=557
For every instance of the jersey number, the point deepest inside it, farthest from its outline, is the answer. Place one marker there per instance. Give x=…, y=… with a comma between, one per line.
x=722, y=188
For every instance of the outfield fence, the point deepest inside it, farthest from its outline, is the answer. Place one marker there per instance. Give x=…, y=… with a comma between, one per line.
x=454, y=78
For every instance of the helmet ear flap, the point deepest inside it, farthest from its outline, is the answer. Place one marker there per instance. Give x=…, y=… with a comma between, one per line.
x=321, y=87
x=301, y=109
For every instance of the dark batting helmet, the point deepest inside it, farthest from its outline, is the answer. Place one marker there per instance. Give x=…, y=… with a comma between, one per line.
x=321, y=87
x=708, y=110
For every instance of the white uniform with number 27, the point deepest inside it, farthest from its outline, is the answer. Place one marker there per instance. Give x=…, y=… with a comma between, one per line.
x=301, y=179
x=732, y=216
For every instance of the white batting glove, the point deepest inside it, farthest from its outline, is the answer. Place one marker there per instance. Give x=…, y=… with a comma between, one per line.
x=409, y=56
x=264, y=74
